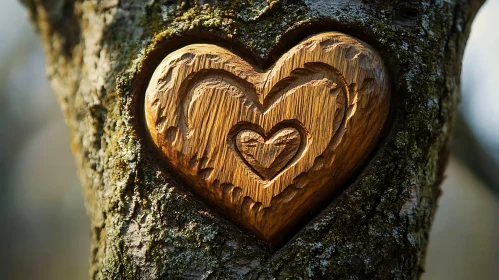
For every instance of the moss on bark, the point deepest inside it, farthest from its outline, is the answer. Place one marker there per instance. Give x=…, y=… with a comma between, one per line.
x=146, y=224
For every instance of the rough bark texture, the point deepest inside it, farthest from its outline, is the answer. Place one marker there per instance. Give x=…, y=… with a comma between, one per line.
x=147, y=224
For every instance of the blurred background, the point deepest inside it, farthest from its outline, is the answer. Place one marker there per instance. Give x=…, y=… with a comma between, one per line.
x=44, y=231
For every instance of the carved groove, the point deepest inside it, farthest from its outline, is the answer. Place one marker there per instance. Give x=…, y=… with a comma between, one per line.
x=268, y=156
x=268, y=146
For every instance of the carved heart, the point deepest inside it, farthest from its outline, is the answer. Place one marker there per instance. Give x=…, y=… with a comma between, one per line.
x=268, y=157
x=269, y=147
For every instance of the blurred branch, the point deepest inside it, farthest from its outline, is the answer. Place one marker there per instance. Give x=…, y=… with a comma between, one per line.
x=468, y=148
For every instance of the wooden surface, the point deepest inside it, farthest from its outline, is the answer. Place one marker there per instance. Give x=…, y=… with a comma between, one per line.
x=267, y=157
x=269, y=147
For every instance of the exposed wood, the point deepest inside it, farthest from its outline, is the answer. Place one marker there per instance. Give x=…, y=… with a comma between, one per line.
x=268, y=157
x=269, y=146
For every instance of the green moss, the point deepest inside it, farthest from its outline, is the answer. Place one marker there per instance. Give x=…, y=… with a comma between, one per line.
x=259, y=26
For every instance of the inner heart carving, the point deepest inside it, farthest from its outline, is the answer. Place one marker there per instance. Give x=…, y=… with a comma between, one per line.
x=268, y=156
x=269, y=147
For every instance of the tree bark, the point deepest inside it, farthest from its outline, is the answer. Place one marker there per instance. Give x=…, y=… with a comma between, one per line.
x=147, y=224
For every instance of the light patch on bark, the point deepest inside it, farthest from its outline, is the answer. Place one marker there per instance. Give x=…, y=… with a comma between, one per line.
x=409, y=208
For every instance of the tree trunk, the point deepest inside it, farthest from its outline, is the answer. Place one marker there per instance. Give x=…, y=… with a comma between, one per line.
x=146, y=222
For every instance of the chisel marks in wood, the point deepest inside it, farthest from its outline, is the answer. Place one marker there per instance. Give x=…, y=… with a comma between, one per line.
x=269, y=146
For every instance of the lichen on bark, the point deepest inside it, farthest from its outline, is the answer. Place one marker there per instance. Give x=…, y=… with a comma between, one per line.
x=147, y=224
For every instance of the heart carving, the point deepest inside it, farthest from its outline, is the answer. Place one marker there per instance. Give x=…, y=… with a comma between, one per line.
x=269, y=147
x=268, y=156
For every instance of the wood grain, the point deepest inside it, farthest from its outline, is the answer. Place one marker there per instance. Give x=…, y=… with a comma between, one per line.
x=268, y=157
x=269, y=147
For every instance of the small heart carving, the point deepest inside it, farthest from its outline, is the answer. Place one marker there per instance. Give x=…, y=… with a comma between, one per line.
x=269, y=147
x=268, y=156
